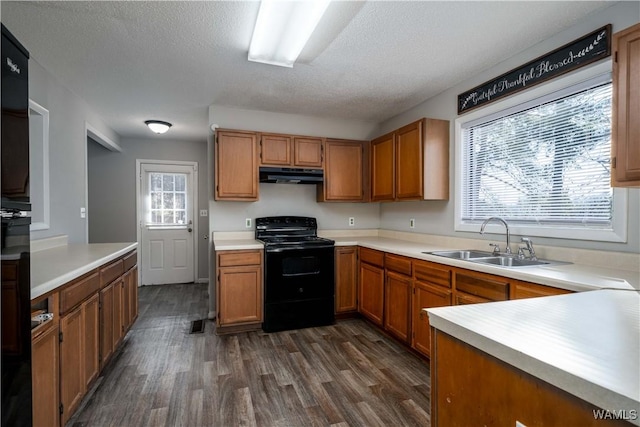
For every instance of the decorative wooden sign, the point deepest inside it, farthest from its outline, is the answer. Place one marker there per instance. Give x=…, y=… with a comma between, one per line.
x=578, y=53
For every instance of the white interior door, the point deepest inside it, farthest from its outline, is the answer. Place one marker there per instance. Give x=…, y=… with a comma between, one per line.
x=167, y=205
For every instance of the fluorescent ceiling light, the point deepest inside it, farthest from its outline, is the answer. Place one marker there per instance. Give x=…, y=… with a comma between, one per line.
x=158, y=126
x=283, y=28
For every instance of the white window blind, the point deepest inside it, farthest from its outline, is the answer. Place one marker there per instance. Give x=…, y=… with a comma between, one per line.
x=547, y=164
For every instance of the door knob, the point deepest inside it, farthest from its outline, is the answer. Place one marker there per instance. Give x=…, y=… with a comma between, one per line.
x=189, y=229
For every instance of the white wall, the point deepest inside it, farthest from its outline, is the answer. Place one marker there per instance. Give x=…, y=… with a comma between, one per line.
x=438, y=217
x=68, y=115
x=112, y=189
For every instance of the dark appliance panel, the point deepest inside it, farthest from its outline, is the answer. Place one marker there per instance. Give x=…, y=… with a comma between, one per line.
x=15, y=122
x=299, y=274
x=15, y=218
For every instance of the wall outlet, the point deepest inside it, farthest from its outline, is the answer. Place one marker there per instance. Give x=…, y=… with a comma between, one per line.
x=204, y=212
x=412, y=223
x=352, y=221
x=247, y=222
x=83, y=212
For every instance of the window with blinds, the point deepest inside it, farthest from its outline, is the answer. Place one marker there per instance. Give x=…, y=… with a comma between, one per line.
x=546, y=164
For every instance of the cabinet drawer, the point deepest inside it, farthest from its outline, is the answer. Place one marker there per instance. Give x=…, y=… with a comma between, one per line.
x=397, y=263
x=488, y=287
x=462, y=299
x=433, y=273
x=112, y=271
x=371, y=256
x=80, y=290
x=234, y=258
x=130, y=260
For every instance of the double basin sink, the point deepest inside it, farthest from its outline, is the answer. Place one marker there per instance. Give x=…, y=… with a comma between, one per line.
x=501, y=260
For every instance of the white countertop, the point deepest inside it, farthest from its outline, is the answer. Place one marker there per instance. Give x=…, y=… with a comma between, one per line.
x=587, y=344
x=51, y=268
x=574, y=277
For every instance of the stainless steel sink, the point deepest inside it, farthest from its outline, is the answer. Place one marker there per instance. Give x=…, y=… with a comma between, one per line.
x=467, y=254
x=507, y=261
x=482, y=257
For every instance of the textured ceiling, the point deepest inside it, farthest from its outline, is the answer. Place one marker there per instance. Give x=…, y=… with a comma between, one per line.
x=133, y=60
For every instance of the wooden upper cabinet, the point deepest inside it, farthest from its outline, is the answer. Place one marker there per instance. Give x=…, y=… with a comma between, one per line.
x=409, y=179
x=294, y=151
x=308, y=152
x=625, y=147
x=275, y=150
x=345, y=172
x=411, y=163
x=383, y=168
x=236, y=166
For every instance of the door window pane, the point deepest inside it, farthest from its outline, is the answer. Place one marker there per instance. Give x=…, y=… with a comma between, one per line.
x=167, y=199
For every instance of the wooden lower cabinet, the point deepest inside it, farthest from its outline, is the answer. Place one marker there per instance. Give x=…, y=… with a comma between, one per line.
x=472, y=388
x=346, y=267
x=91, y=339
x=397, y=305
x=426, y=295
x=240, y=299
x=106, y=324
x=91, y=316
x=45, y=359
x=371, y=292
x=72, y=384
x=117, y=318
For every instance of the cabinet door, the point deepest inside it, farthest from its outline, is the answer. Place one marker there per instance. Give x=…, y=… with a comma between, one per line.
x=44, y=365
x=106, y=324
x=133, y=295
x=383, y=168
x=371, y=298
x=397, y=305
x=236, y=164
x=346, y=279
x=126, y=302
x=91, y=338
x=426, y=295
x=240, y=293
x=118, y=326
x=72, y=384
x=275, y=150
x=626, y=108
x=307, y=152
x=408, y=170
x=344, y=173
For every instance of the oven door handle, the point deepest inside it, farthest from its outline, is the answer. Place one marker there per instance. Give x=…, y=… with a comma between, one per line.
x=296, y=248
x=312, y=273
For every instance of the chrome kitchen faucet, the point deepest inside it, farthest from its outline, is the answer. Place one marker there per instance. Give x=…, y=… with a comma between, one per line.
x=496, y=218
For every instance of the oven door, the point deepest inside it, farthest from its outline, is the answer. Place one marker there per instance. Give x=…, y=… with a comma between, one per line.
x=298, y=274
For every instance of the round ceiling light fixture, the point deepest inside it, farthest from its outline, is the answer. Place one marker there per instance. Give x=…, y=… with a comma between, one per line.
x=158, y=126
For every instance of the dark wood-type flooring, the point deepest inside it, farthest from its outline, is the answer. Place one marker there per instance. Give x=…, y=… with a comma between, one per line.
x=348, y=374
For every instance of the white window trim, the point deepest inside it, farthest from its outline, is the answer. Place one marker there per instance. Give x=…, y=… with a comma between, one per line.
x=618, y=231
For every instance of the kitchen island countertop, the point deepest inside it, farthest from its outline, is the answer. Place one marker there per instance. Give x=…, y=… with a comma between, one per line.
x=587, y=343
x=52, y=268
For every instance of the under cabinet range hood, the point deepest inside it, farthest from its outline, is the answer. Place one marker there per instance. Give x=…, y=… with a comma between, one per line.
x=291, y=175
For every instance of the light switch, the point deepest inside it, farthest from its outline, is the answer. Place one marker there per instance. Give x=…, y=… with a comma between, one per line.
x=83, y=212
x=204, y=212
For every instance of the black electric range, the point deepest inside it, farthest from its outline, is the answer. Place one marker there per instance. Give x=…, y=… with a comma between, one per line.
x=299, y=284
